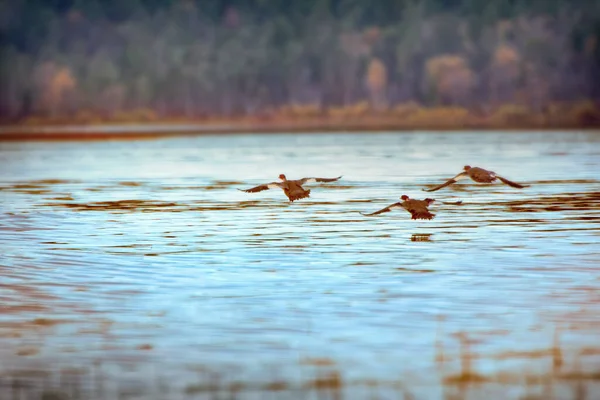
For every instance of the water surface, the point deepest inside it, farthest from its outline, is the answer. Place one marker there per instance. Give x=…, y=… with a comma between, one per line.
x=143, y=256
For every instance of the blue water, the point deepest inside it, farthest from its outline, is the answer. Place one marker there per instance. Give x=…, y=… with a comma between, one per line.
x=143, y=253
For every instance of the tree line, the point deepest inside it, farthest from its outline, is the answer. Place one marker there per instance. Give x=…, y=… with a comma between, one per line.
x=196, y=58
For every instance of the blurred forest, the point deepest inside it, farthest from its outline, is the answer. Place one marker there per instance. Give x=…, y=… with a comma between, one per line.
x=145, y=60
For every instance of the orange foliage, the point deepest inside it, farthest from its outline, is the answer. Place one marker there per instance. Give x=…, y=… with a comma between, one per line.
x=409, y=115
x=439, y=116
x=35, y=120
x=451, y=77
x=144, y=114
x=584, y=113
x=349, y=112
x=62, y=82
x=505, y=66
x=505, y=55
x=376, y=75
x=299, y=110
x=55, y=84
x=511, y=114
x=406, y=109
x=376, y=81
x=85, y=117
x=135, y=116
x=439, y=66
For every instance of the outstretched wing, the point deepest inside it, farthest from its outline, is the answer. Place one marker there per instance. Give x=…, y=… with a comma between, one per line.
x=453, y=203
x=383, y=210
x=260, y=188
x=510, y=183
x=448, y=182
x=313, y=180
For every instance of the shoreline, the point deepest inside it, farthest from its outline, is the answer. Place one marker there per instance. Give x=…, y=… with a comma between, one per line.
x=144, y=130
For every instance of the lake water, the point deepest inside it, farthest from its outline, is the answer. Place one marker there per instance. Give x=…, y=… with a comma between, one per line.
x=139, y=267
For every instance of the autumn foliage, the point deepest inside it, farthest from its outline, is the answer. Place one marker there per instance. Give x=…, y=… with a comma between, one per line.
x=315, y=62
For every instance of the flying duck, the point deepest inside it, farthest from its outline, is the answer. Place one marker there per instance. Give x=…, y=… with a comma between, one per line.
x=292, y=189
x=417, y=208
x=478, y=175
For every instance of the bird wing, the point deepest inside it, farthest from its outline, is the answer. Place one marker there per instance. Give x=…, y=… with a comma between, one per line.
x=260, y=188
x=449, y=182
x=510, y=183
x=383, y=210
x=313, y=180
x=453, y=203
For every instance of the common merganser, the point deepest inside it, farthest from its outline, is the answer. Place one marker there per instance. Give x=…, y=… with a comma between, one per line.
x=293, y=189
x=417, y=208
x=479, y=175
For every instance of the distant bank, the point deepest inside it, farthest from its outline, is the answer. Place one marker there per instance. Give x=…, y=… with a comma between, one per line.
x=132, y=131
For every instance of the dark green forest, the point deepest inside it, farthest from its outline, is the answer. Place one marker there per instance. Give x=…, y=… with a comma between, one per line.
x=193, y=58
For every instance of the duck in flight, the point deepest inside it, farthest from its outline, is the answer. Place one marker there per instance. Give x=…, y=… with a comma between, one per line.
x=292, y=189
x=477, y=174
x=419, y=209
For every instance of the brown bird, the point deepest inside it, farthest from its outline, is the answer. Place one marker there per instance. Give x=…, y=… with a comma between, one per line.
x=417, y=208
x=479, y=175
x=292, y=189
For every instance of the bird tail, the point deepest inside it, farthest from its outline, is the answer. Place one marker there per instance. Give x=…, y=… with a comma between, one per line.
x=300, y=195
x=423, y=215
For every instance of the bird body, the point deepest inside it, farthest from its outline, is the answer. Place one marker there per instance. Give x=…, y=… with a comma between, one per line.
x=294, y=190
x=419, y=209
x=291, y=188
x=476, y=174
x=480, y=175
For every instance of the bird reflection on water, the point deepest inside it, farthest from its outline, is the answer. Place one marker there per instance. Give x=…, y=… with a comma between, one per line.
x=421, y=237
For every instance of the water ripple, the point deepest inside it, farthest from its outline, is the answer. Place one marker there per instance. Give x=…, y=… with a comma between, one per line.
x=149, y=253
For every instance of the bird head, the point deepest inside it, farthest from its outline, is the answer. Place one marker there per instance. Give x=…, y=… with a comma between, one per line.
x=467, y=167
x=404, y=197
x=282, y=177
